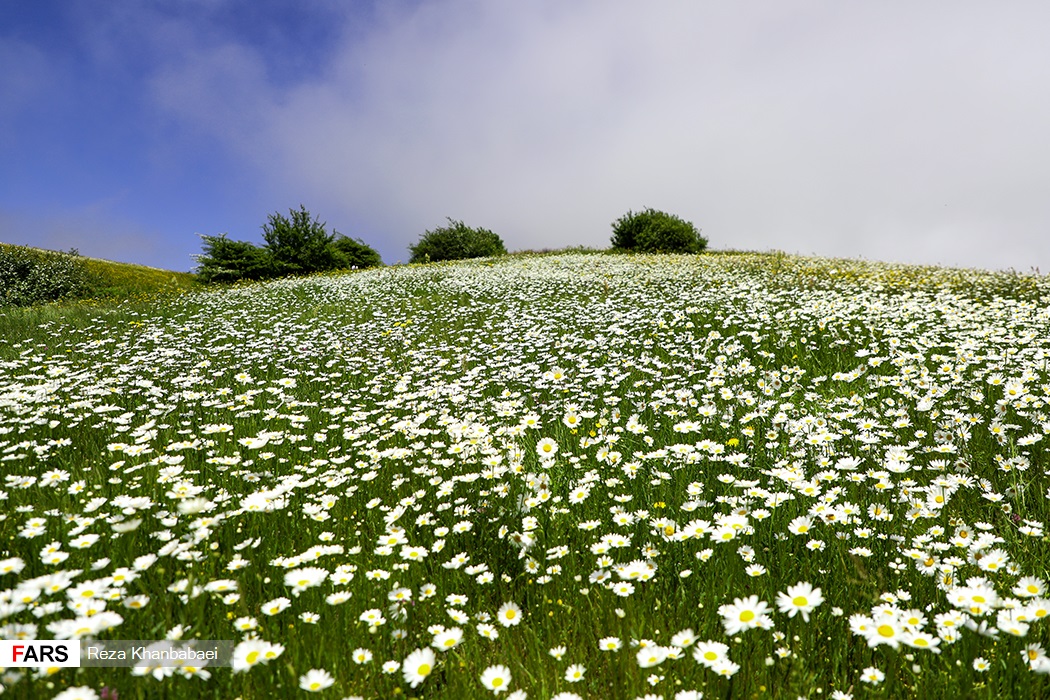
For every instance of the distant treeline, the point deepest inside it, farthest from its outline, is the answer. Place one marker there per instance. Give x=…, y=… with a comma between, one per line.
x=300, y=244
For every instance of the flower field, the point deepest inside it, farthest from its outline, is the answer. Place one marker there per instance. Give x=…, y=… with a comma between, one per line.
x=553, y=476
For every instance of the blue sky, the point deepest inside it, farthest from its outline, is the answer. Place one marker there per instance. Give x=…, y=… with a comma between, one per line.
x=895, y=130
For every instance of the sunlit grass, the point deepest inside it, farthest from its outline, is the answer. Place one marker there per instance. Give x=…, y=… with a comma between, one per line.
x=89, y=282
x=605, y=475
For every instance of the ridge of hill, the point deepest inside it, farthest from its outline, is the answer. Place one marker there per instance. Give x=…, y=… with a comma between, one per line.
x=102, y=279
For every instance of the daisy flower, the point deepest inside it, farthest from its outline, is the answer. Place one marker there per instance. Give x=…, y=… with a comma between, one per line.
x=251, y=652
x=1029, y=587
x=574, y=673
x=509, y=614
x=922, y=640
x=496, y=679
x=683, y=639
x=801, y=598
x=81, y=692
x=872, y=675
x=315, y=680
x=651, y=656
x=447, y=639
x=417, y=666
x=301, y=579
x=710, y=653
x=725, y=668
x=547, y=448
x=275, y=606
x=744, y=614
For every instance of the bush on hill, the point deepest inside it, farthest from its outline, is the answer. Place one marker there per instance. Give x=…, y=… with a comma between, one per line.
x=297, y=244
x=457, y=241
x=30, y=276
x=351, y=253
x=653, y=231
x=225, y=260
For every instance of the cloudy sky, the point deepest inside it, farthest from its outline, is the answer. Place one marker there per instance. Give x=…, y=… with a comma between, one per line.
x=888, y=130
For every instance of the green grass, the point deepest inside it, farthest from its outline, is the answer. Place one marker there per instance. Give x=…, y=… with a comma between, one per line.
x=112, y=281
x=126, y=281
x=387, y=429
x=113, y=289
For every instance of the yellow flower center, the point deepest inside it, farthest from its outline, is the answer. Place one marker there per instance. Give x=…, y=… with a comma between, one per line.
x=885, y=630
x=799, y=601
x=747, y=616
x=424, y=670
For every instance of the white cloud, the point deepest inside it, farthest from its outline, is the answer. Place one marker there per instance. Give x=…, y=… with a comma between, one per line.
x=890, y=130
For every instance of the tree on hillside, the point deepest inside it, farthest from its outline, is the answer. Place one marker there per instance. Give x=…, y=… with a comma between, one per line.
x=298, y=244
x=653, y=231
x=353, y=253
x=224, y=260
x=457, y=241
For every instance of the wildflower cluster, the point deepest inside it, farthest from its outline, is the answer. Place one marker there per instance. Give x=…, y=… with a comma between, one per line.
x=539, y=477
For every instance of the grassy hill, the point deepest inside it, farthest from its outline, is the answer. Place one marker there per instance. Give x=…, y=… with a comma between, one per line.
x=41, y=286
x=125, y=280
x=94, y=278
x=580, y=475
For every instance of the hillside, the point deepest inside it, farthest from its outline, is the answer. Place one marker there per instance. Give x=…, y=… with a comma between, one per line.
x=102, y=279
x=564, y=475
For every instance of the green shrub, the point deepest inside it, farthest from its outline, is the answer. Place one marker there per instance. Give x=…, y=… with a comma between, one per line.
x=295, y=245
x=224, y=260
x=653, y=231
x=30, y=276
x=353, y=253
x=298, y=244
x=457, y=241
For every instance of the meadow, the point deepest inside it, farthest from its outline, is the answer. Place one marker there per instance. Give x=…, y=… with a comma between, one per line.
x=547, y=476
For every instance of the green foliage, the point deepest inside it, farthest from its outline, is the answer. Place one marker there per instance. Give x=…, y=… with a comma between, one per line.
x=31, y=276
x=225, y=260
x=457, y=241
x=653, y=231
x=126, y=282
x=353, y=253
x=298, y=244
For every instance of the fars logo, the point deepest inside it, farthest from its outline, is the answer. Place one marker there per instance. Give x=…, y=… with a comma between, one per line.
x=39, y=654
